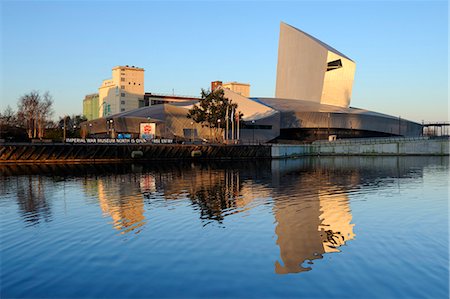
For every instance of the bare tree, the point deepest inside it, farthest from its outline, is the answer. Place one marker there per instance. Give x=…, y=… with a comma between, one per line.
x=8, y=117
x=26, y=112
x=44, y=112
x=33, y=111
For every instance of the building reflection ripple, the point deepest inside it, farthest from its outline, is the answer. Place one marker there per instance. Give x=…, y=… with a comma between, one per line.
x=308, y=198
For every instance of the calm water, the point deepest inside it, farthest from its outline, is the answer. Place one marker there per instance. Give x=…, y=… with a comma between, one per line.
x=310, y=228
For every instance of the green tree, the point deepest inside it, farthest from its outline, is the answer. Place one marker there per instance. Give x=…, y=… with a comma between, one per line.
x=211, y=110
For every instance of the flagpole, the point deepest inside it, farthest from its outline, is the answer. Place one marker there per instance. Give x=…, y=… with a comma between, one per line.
x=238, y=125
x=226, y=126
x=232, y=124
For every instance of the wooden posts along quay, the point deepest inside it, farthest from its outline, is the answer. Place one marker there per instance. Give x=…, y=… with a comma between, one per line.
x=122, y=152
x=98, y=153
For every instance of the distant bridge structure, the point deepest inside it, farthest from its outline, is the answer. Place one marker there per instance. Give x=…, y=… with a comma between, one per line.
x=440, y=128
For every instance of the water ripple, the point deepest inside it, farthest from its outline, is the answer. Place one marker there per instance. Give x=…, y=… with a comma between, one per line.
x=198, y=230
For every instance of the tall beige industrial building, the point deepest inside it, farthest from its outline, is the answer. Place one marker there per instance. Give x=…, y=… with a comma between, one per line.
x=310, y=70
x=239, y=88
x=123, y=92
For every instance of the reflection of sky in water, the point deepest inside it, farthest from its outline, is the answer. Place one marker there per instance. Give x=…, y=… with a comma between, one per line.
x=249, y=218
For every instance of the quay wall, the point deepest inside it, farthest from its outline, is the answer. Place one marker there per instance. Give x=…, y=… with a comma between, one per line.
x=366, y=147
x=65, y=153
x=72, y=153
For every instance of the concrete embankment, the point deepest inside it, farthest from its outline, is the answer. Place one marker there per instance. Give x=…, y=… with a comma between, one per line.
x=97, y=153
x=72, y=153
x=366, y=147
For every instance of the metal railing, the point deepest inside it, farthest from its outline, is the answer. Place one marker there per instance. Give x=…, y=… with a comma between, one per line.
x=375, y=140
x=172, y=95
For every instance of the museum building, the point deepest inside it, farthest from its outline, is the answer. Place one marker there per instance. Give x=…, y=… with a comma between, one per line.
x=312, y=102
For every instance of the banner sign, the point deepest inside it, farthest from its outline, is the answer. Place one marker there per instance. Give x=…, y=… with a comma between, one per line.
x=147, y=131
x=104, y=140
x=118, y=140
x=123, y=136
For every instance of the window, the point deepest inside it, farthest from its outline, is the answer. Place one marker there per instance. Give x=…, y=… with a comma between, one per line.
x=334, y=65
x=122, y=94
x=122, y=102
x=122, y=109
x=250, y=126
x=123, y=86
x=122, y=79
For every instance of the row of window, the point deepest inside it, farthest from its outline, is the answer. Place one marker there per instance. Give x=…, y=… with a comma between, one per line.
x=129, y=83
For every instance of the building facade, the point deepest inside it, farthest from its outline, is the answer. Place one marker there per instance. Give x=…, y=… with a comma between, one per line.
x=123, y=92
x=313, y=91
x=151, y=99
x=239, y=88
x=310, y=70
x=90, y=106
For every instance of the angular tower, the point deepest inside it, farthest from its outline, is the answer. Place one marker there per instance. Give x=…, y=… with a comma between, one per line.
x=310, y=70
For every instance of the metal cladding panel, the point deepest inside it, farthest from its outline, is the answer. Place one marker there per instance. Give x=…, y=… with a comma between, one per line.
x=305, y=114
x=320, y=120
x=263, y=135
x=302, y=70
x=301, y=66
x=250, y=109
x=176, y=122
x=337, y=87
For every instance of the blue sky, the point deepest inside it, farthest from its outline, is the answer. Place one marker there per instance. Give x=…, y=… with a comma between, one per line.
x=68, y=48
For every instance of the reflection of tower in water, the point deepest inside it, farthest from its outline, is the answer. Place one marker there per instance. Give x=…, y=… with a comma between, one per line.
x=314, y=220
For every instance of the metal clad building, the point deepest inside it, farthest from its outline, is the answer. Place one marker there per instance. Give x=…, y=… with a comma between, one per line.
x=313, y=91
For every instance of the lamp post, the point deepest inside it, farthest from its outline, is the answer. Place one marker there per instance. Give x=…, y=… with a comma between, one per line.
x=218, y=124
x=253, y=127
x=64, y=129
x=111, y=127
x=90, y=130
x=192, y=131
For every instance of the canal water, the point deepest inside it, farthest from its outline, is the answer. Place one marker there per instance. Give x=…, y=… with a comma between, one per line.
x=335, y=227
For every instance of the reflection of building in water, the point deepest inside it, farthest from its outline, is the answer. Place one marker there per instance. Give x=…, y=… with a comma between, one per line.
x=120, y=197
x=314, y=219
x=31, y=198
x=147, y=183
x=336, y=217
x=216, y=192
